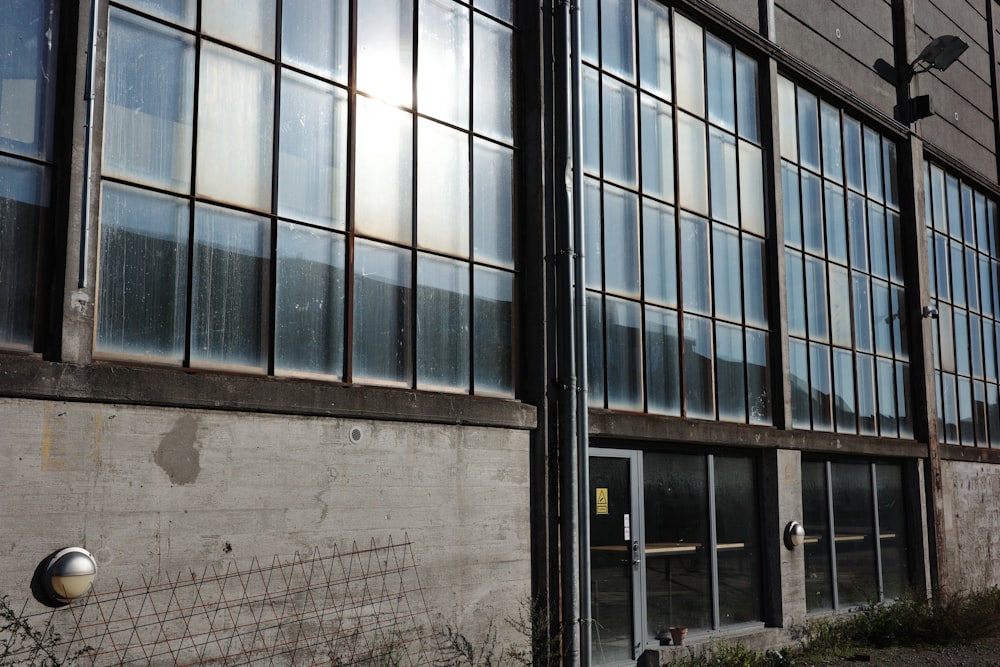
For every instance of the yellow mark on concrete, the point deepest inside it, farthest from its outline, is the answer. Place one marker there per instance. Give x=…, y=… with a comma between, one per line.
x=50, y=461
x=602, y=501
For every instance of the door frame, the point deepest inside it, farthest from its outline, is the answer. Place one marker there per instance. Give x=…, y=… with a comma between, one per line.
x=637, y=534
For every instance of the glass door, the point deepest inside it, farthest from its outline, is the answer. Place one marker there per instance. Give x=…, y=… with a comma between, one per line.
x=615, y=558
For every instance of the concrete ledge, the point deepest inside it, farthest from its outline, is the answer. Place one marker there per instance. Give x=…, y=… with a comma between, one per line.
x=757, y=639
x=31, y=377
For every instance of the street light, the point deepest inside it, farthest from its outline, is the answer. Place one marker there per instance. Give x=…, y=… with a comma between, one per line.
x=940, y=54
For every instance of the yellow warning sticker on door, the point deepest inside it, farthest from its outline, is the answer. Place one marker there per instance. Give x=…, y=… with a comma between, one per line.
x=602, y=501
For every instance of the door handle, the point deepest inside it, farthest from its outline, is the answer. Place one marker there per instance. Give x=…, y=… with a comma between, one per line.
x=635, y=554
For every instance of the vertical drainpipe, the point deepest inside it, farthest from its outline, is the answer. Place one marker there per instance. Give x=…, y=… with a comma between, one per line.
x=580, y=324
x=574, y=568
x=88, y=144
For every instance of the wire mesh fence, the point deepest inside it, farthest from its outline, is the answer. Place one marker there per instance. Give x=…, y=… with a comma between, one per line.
x=364, y=606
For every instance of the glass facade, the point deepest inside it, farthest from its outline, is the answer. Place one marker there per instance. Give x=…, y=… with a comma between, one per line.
x=848, y=345
x=677, y=317
x=856, y=544
x=317, y=205
x=964, y=269
x=28, y=48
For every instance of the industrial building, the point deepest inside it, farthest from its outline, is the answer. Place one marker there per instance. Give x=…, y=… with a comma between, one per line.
x=593, y=301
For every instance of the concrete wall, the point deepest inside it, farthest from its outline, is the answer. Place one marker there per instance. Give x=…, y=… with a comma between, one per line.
x=971, y=549
x=158, y=492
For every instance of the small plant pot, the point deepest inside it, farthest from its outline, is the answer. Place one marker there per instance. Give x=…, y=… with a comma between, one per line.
x=678, y=635
x=664, y=638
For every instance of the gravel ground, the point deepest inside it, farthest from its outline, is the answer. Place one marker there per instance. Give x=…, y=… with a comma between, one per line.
x=981, y=653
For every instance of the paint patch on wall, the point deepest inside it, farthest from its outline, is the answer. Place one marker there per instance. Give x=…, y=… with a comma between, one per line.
x=177, y=454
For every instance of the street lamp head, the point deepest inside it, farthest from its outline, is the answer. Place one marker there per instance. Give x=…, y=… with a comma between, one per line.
x=942, y=51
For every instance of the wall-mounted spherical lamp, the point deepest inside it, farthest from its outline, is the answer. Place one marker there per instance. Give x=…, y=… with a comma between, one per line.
x=795, y=534
x=63, y=576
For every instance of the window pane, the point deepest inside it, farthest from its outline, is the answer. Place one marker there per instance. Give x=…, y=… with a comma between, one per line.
x=836, y=223
x=881, y=317
x=624, y=350
x=852, y=154
x=821, y=387
x=840, y=306
x=862, y=312
x=746, y=97
x=493, y=202
x=752, y=216
x=312, y=164
x=659, y=253
x=235, y=121
x=724, y=172
x=309, y=310
x=593, y=240
x=24, y=196
x=621, y=241
x=178, y=11
x=737, y=540
x=382, y=303
x=791, y=206
x=808, y=130
x=591, y=121
x=816, y=295
x=663, y=372
x=499, y=8
x=699, y=396
x=148, y=103
x=726, y=275
x=696, y=281
x=873, y=164
x=590, y=49
x=721, y=83
x=890, y=168
x=314, y=36
x=616, y=37
x=843, y=379
x=229, y=312
x=833, y=159
x=654, y=47
x=892, y=530
x=877, y=241
x=903, y=416
x=758, y=377
x=28, y=76
x=796, y=293
x=140, y=312
x=885, y=376
x=729, y=373
x=812, y=213
x=657, y=149
x=754, y=282
x=859, y=231
x=442, y=188
x=675, y=493
x=853, y=520
x=866, y=395
x=691, y=163
x=619, y=137
x=493, y=312
x=690, y=65
x=492, y=91
x=443, y=61
x=595, y=350
x=787, y=124
x=442, y=323
x=383, y=163
x=246, y=23
x=385, y=50
x=816, y=520
x=798, y=368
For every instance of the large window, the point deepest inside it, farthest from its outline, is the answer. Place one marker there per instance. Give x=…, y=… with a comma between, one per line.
x=702, y=541
x=964, y=269
x=848, y=349
x=316, y=200
x=856, y=545
x=675, y=223
x=28, y=39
